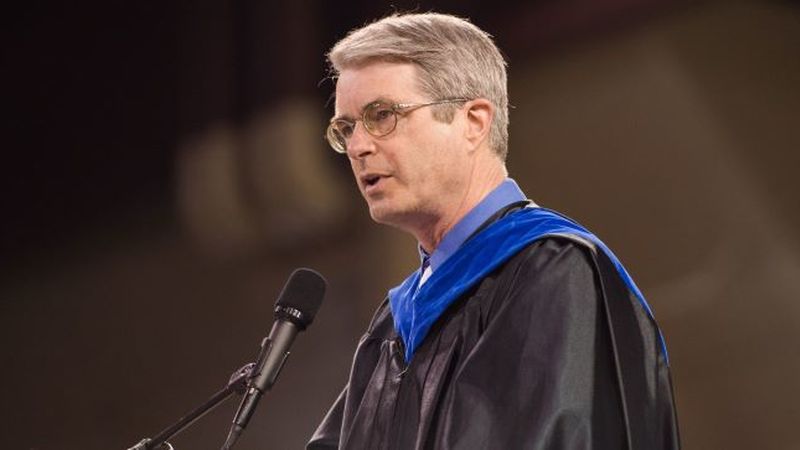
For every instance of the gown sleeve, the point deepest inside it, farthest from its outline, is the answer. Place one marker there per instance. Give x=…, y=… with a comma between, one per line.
x=542, y=375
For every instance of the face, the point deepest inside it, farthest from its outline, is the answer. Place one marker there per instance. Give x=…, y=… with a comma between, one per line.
x=413, y=177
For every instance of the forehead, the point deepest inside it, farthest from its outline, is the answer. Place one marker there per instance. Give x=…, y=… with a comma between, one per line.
x=360, y=85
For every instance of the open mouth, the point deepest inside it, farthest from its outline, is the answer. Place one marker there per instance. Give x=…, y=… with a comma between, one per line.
x=372, y=180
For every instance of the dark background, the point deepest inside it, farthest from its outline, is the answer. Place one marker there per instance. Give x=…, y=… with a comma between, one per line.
x=165, y=171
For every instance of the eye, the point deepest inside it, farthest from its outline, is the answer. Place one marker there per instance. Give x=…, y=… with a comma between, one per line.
x=378, y=113
x=344, y=128
x=383, y=114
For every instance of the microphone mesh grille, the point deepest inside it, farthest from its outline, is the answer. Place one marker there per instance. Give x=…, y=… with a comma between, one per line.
x=303, y=291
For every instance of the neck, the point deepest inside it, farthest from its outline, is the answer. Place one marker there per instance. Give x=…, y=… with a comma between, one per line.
x=480, y=184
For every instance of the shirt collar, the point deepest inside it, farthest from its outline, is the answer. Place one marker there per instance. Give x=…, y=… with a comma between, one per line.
x=503, y=195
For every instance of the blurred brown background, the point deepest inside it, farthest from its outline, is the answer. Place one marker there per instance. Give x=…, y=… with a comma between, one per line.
x=164, y=171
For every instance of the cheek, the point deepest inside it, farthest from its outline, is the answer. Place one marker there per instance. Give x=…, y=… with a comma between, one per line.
x=446, y=171
x=354, y=171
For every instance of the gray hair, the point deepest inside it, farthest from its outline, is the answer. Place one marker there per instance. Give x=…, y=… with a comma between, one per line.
x=456, y=60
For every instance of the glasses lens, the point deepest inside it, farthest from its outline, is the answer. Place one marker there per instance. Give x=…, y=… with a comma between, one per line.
x=336, y=135
x=379, y=119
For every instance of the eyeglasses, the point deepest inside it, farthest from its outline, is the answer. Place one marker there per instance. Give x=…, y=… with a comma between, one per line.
x=379, y=119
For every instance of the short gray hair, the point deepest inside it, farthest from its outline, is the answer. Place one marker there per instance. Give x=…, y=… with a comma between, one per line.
x=456, y=60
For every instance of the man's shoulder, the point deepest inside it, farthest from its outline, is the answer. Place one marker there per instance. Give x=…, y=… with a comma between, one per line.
x=557, y=252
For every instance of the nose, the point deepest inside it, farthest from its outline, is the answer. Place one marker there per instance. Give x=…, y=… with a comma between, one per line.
x=361, y=143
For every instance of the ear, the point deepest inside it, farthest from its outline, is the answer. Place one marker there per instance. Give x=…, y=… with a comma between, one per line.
x=479, y=113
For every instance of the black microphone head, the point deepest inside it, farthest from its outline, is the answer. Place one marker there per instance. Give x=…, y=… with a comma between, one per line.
x=301, y=297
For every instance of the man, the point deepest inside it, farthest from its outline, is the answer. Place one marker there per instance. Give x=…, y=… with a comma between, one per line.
x=520, y=329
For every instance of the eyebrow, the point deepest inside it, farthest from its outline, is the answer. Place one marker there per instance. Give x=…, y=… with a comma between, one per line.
x=376, y=100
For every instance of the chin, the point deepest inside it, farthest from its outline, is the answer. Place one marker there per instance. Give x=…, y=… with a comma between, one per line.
x=385, y=214
x=380, y=215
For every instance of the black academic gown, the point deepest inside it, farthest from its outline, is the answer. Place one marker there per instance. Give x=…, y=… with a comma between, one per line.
x=551, y=351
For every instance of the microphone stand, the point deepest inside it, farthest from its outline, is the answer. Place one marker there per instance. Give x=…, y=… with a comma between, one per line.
x=237, y=384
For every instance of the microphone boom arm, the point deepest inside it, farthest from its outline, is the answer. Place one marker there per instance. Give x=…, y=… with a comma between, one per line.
x=237, y=383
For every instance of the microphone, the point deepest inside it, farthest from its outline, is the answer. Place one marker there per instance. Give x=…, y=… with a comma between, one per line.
x=294, y=311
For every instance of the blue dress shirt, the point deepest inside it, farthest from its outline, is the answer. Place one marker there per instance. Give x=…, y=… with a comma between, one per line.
x=506, y=193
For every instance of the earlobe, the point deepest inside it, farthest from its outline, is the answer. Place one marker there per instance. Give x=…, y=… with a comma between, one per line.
x=479, y=113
